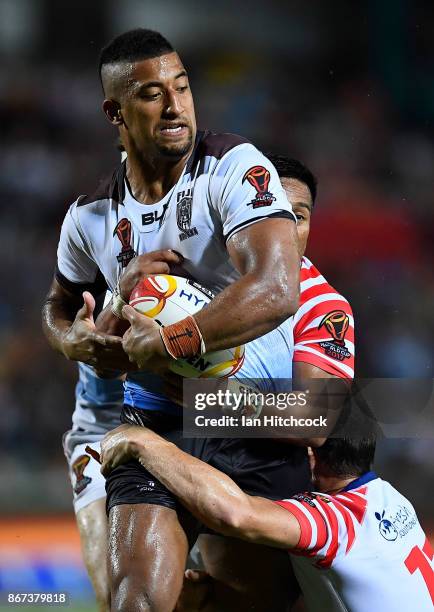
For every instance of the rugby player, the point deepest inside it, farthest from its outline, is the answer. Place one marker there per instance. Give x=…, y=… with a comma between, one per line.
x=300, y=188
x=99, y=403
x=216, y=201
x=357, y=543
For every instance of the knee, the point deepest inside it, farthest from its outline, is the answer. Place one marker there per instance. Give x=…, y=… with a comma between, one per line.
x=129, y=594
x=125, y=597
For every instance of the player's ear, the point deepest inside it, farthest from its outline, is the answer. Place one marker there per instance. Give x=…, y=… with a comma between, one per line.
x=312, y=459
x=112, y=111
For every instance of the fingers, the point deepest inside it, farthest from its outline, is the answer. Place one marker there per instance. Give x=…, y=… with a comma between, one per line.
x=107, y=340
x=196, y=575
x=130, y=314
x=167, y=255
x=86, y=311
x=158, y=267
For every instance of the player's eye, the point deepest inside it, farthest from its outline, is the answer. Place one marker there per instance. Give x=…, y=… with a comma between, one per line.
x=151, y=96
x=183, y=88
x=299, y=216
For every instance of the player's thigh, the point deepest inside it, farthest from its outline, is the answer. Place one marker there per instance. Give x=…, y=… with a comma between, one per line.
x=93, y=527
x=147, y=553
x=248, y=576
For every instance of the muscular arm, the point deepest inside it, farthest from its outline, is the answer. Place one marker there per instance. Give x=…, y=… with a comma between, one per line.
x=208, y=494
x=266, y=256
x=326, y=397
x=58, y=313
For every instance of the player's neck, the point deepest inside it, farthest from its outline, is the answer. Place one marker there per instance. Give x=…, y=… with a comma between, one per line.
x=332, y=484
x=150, y=182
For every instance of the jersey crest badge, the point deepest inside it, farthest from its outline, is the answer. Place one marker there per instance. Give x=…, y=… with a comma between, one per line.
x=386, y=528
x=78, y=467
x=259, y=178
x=336, y=323
x=183, y=215
x=124, y=233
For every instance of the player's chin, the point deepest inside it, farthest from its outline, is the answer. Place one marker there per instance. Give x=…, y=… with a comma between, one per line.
x=176, y=149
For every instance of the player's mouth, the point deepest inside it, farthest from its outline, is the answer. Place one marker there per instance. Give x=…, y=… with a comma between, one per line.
x=174, y=130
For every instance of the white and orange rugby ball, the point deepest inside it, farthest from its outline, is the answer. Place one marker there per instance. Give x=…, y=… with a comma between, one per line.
x=167, y=299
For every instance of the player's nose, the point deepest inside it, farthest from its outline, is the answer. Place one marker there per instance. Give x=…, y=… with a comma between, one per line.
x=173, y=105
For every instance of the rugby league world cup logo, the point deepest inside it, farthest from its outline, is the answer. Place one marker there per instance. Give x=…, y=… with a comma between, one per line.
x=124, y=233
x=259, y=178
x=336, y=323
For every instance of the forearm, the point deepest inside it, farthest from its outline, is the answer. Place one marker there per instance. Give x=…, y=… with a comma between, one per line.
x=267, y=293
x=211, y=496
x=247, y=309
x=57, y=319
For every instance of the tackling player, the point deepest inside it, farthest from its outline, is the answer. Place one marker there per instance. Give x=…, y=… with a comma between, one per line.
x=218, y=202
x=357, y=544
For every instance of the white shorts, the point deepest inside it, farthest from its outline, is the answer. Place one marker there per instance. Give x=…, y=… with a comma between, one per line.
x=88, y=484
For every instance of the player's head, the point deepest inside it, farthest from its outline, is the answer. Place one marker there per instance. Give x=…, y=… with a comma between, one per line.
x=344, y=457
x=300, y=186
x=147, y=95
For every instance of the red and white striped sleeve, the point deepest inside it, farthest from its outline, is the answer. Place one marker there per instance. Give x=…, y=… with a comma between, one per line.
x=328, y=524
x=314, y=529
x=323, y=325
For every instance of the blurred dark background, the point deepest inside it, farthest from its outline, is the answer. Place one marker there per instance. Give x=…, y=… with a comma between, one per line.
x=346, y=87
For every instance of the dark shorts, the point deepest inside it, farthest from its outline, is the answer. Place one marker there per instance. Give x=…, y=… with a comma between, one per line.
x=264, y=468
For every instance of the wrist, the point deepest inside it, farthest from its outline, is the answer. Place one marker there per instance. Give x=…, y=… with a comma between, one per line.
x=123, y=287
x=159, y=346
x=64, y=344
x=183, y=339
x=118, y=301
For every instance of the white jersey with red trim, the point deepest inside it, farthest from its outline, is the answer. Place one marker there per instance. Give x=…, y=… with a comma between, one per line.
x=362, y=550
x=320, y=333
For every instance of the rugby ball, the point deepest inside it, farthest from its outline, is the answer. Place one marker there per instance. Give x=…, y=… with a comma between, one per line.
x=167, y=299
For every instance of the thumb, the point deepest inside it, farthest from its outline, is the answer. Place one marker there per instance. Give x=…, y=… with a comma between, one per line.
x=86, y=311
x=196, y=575
x=129, y=313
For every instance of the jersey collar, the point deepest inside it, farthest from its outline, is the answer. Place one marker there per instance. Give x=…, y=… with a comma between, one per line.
x=363, y=479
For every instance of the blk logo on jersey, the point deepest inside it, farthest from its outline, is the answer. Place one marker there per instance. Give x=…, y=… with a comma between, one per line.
x=78, y=467
x=336, y=323
x=259, y=178
x=124, y=233
x=152, y=217
x=183, y=215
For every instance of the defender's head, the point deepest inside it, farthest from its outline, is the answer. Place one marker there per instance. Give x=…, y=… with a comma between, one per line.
x=300, y=186
x=344, y=457
x=147, y=95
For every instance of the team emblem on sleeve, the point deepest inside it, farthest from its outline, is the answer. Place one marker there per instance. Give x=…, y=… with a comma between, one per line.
x=124, y=232
x=386, y=527
x=259, y=178
x=336, y=323
x=78, y=467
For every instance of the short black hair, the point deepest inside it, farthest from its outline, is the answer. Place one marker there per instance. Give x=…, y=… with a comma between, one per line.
x=287, y=167
x=134, y=45
x=348, y=456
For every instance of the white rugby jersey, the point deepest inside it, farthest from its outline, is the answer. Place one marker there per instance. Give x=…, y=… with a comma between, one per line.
x=226, y=185
x=99, y=401
x=362, y=550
